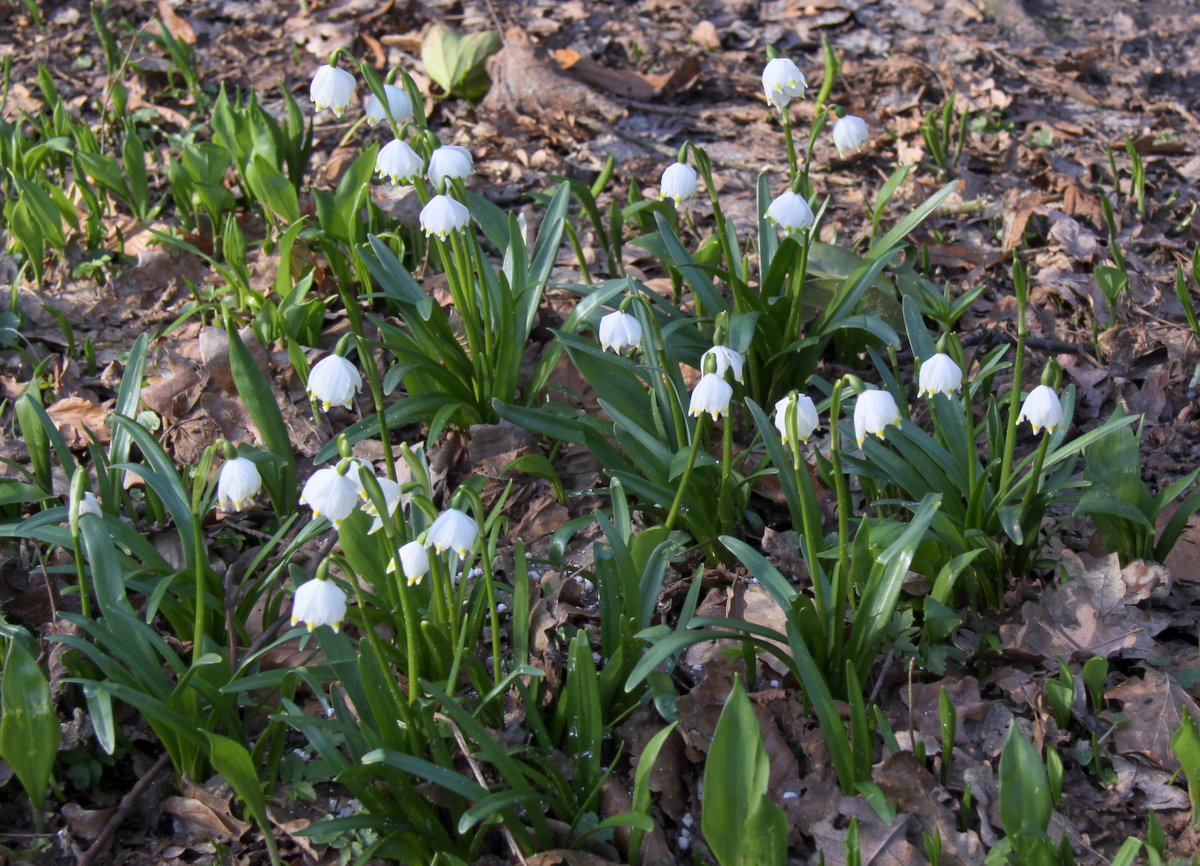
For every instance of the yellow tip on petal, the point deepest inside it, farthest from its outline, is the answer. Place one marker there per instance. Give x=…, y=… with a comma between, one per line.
x=311, y=625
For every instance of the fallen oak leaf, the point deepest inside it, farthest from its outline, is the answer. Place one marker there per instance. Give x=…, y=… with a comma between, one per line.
x=75, y=415
x=1153, y=706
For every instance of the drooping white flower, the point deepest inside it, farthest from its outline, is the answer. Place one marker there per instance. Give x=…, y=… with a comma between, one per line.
x=619, y=330
x=803, y=409
x=449, y=161
x=414, y=562
x=89, y=504
x=790, y=212
x=398, y=161
x=333, y=88
x=727, y=359
x=238, y=484
x=782, y=79
x=873, y=412
x=355, y=473
x=1042, y=409
x=453, y=530
x=849, y=132
x=391, y=497
x=319, y=602
x=939, y=375
x=678, y=182
x=443, y=215
x=330, y=494
x=398, y=103
x=712, y=395
x=333, y=381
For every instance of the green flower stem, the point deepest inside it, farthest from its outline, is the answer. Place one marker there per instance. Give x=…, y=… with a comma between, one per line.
x=373, y=639
x=687, y=473
x=367, y=360
x=805, y=187
x=796, y=288
x=493, y=613
x=810, y=545
x=660, y=350
x=410, y=632
x=793, y=164
x=842, y=585
x=78, y=486
x=469, y=321
x=485, y=299
x=201, y=573
x=440, y=605
x=972, y=456
x=1014, y=400
x=1035, y=475
x=725, y=498
x=901, y=403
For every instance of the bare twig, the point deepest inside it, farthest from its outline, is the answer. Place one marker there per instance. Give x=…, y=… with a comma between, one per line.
x=127, y=804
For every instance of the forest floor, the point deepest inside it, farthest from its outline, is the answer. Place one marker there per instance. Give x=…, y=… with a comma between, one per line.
x=1046, y=94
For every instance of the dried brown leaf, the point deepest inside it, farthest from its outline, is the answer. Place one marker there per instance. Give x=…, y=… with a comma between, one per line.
x=74, y=415
x=1153, y=705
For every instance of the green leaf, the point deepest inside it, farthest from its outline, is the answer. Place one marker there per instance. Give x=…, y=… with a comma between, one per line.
x=910, y=222
x=740, y=823
x=641, y=788
x=255, y=390
x=29, y=730
x=767, y=574
x=456, y=60
x=272, y=189
x=1025, y=800
x=231, y=759
x=1185, y=743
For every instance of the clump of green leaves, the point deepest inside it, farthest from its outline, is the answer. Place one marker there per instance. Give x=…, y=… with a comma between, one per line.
x=1125, y=511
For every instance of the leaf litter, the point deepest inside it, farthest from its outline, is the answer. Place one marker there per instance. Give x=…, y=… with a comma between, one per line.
x=1077, y=73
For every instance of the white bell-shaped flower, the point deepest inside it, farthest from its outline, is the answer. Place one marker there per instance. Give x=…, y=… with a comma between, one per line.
x=1042, y=409
x=449, y=161
x=712, y=395
x=727, y=359
x=399, y=162
x=453, y=530
x=414, y=562
x=355, y=473
x=873, y=412
x=333, y=381
x=443, y=215
x=619, y=330
x=790, y=212
x=781, y=80
x=333, y=88
x=319, y=602
x=89, y=504
x=849, y=132
x=398, y=103
x=939, y=375
x=330, y=494
x=678, y=182
x=391, y=496
x=802, y=409
x=238, y=484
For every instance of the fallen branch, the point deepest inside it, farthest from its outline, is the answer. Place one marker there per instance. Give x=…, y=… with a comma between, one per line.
x=127, y=802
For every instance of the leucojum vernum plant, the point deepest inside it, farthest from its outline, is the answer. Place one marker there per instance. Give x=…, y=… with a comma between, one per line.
x=406, y=603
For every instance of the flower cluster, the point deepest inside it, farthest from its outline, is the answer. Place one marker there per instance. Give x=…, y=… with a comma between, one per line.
x=398, y=161
x=334, y=491
x=453, y=530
